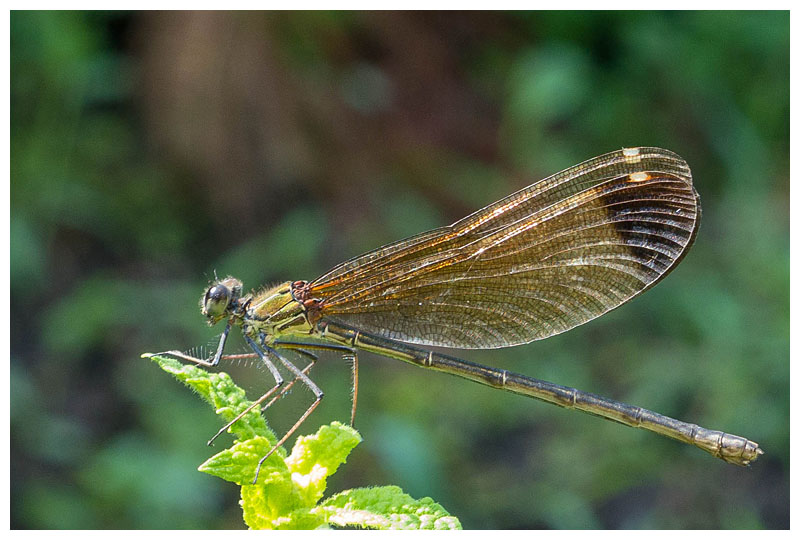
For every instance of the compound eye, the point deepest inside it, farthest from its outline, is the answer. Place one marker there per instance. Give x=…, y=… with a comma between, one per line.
x=216, y=300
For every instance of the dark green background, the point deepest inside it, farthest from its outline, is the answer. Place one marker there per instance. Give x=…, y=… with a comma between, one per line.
x=149, y=150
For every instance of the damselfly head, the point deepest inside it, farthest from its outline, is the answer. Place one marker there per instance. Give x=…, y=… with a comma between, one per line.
x=220, y=299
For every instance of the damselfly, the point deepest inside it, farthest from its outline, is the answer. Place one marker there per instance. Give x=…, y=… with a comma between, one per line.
x=545, y=259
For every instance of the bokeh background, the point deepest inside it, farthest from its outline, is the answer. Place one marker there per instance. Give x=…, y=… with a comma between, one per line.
x=149, y=150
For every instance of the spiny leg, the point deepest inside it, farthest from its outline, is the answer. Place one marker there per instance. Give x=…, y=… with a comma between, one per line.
x=207, y=363
x=289, y=386
x=278, y=383
x=311, y=385
x=353, y=357
x=215, y=361
x=283, y=391
x=349, y=353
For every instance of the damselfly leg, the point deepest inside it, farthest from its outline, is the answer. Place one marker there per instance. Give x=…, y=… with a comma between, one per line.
x=259, y=401
x=348, y=354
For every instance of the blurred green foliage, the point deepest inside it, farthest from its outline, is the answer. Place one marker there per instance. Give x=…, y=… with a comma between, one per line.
x=149, y=150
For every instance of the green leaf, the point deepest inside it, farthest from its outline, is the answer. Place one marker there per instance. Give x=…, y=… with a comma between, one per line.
x=221, y=392
x=285, y=497
x=287, y=491
x=386, y=507
x=316, y=457
x=271, y=508
x=238, y=463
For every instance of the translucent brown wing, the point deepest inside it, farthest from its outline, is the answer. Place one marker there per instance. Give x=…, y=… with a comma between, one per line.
x=543, y=260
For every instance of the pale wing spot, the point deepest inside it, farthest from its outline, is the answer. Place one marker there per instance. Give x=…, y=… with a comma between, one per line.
x=639, y=177
x=631, y=155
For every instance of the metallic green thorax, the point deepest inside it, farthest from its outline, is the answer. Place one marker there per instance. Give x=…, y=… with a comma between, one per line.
x=276, y=313
x=272, y=313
